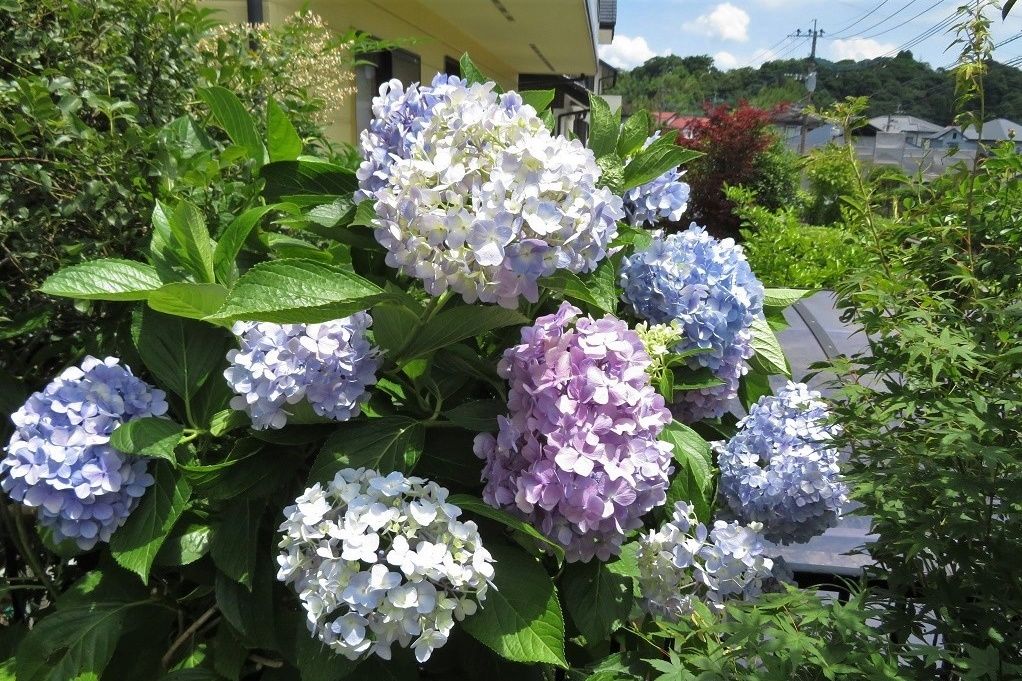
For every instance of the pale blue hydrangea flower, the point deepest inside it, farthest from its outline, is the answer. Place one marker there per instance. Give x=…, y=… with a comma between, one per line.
x=330, y=365
x=378, y=560
x=59, y=460
x=708, y=288
x=399, y=116
x=781, y=468
x=662, y=198
x=486, y=201
x=684, y=562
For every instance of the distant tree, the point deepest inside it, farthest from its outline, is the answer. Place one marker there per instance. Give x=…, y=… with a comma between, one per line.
x=738, y=149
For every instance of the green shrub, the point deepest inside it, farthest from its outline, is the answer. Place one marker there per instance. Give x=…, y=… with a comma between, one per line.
x=829, y=176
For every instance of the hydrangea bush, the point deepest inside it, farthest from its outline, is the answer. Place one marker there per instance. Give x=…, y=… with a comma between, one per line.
x=455, y=393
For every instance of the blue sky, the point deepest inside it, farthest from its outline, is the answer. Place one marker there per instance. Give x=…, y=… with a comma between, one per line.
x=748, y=32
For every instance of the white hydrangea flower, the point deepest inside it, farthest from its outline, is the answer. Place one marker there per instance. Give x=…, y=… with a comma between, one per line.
x=683, y=562
x=378, y=560
x=487, y=201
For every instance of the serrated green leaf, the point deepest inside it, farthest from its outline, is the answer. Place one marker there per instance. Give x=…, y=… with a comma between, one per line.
x=693, y=478
x=634, y=133
x=521, y=619
x=393, y=326
x=306, y=176
x=603, y=126
x=769, y=355
x=538, y=99
x=282, y=140
x=251, y=612
x=149, y=436
x=470, y=72
x=783, y=297
x=390, y=443
x=655, y=160
x=192, y=242
x=297, y=291
x=232, y=116
x=226, y=420
x=479, y=415
x=104, y=279
x=597, y=599
x=479, y=507
x=185, y=545
x=135, y=544
x=466, y=321
x=180, y=352
x=187, y=299
x=232, y=548
x=597, y=289
x=233, y=239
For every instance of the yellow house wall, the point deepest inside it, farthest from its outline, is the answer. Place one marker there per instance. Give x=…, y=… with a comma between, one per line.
x=432, y=38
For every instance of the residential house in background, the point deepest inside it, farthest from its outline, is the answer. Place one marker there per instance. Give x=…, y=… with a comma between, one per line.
x=996, y=131
x=685, y=125
x=508, y=39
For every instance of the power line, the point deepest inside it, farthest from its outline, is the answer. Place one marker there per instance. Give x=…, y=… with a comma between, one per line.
x=879, y=23
x=791, y=49
x=764, y=53
x=860, y=19
x=937, y=28
x=1008, y=40
x=910, y=19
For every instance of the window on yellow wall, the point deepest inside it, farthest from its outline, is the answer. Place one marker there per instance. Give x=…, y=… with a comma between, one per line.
x=379, y=67
x=452, y=67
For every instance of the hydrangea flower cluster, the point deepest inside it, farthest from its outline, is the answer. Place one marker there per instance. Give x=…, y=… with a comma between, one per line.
x=378, y=560
x=781, y=469
x=578, y=455
x=488, y=201
x=59, y=460
x=683, y=562
x=399, y=116
x=707, y=287
x=662, y=198
x=330, y=365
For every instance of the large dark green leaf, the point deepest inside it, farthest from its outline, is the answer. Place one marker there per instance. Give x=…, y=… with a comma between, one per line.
x=521, y=618
x=769, y=356
x=478, y=415
x=597, y=599
x=251, y=612
x=181, y=248
x=232, y=548
x=655, y=160
x=150, y=436
x=232, y=240
x=283, y=142
x=451, y=326
x=596, y=288
x=634, y=133
x=394, y=323
x=135, y=544
x=481, y=508
x=181, y=353
x=232, y=116
x=297, y=291
x=186, y=299
x=105, y=279
x=693, y=477
x=306, y=177
x=391, y=443
x=603, y=126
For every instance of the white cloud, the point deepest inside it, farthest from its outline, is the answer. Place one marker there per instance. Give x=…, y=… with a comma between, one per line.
x=725, y=21
x=860, y=48
x=626, y=53
x=725, y=61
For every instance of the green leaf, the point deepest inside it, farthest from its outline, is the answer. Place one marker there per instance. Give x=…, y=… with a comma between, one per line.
x=597, y=599
x=181, y=353
x=192, y=238
x=393, y=326
x=283, y=142
x=753, y=386
x=769, y=355
x=390, y=443
x=655, y=160
x=231, y=115
x=627, y=563
x=521, y=618
x=479, y=416
x=479, y=507
x=226, y=420
x=232, y=548
x=233, y=239
x=192, y=674
x=365, y=213
x=72, y=643
x=466, y=321
x=185, y=545
x=297, y=291
x=149, y=436
x=251, y=611
x=135, y=545
x=186, y=299
x=307, y=176
x=538, y=99
x=603, y=126
x=634, y=133
x=470, y=72
x=783, y=297
x=693, y=480
x=596, y=288
x=105, y=279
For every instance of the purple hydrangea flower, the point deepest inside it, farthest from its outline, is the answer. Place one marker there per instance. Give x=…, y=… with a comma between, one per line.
x=781, y=468
x=59, y=460
x=662, y=198
x=330, y=365
x=707, y=287
x=578, y=455
x=399, y=116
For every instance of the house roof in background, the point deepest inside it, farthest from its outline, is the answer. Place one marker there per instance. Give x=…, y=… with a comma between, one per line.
x=669, y=119
x=945, y=130
x=901, y=123
x=997, y=130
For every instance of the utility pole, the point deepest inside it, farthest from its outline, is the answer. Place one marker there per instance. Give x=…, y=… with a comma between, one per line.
x=814, y=33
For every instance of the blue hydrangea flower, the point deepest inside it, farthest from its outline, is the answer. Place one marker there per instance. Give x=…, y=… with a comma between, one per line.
x=781, y=469
x=708, y=288
x=399, y=115
x=59, y=460
x=662, y=198
x=330, y=365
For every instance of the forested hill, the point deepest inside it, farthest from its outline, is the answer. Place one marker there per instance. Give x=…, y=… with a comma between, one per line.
x=683, y=84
